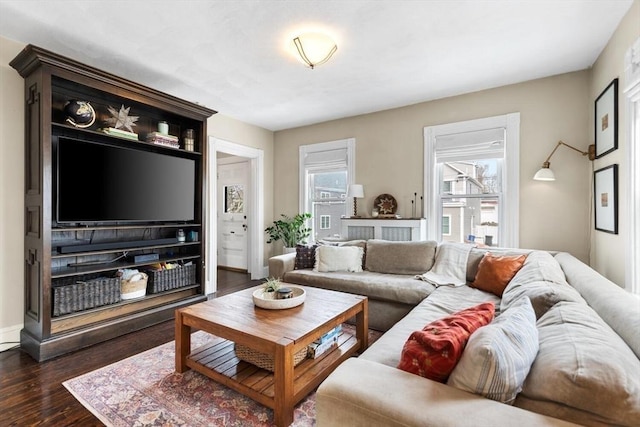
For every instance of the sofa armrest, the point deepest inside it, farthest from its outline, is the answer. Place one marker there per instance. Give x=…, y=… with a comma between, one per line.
x=365, y=393
x=280, y=264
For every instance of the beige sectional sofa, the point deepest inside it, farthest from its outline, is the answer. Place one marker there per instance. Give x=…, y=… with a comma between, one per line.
x=586, y=370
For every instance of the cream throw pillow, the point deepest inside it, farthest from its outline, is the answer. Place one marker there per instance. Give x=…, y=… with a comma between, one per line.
x=498, y=356
x=339, y=258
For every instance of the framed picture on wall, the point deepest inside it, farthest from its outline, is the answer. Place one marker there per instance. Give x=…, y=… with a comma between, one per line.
x=605, y=184
x=606, y=120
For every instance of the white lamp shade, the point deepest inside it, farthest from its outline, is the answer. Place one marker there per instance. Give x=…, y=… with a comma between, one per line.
x=355, y=190
x=314, y=48
x=544, y=174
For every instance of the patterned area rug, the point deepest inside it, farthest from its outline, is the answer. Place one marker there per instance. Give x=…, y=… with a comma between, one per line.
x=144, y=390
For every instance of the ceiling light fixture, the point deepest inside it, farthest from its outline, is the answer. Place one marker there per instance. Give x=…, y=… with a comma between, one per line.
x=315, y=48
x=546, y=174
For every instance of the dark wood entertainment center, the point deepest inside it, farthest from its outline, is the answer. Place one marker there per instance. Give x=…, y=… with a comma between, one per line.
x=51, y=261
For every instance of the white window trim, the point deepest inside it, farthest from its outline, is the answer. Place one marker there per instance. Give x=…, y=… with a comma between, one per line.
x=509, y=230
x=349, y=144
x=322, y=217
x=632, y=92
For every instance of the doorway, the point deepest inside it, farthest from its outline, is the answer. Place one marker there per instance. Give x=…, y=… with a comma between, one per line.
x=255, y=209
x=233, y=208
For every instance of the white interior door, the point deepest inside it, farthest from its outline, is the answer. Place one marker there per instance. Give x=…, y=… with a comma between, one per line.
x=233, y=188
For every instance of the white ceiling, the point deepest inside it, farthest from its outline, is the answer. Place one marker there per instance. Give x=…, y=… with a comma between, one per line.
x=233, y=56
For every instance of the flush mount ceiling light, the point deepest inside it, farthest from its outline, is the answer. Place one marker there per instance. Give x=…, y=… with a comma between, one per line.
x=314, y=48
x=546, y=174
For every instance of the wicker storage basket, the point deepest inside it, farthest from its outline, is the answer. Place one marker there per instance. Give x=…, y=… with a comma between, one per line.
x=262, y=360
x=134, y=288
x=82, y=293
x=164, y=280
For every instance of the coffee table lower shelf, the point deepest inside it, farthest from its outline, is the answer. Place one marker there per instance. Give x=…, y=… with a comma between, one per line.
x=218, y=361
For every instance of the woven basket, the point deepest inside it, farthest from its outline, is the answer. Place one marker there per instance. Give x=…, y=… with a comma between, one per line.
x=265, y=361
x=79, y=293
x=164, y=280
x=134, y=289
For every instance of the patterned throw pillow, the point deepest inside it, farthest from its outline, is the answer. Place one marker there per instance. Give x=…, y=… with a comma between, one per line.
x=305, y=256
x=434, y=351
x=499, y=356
x=496, y=271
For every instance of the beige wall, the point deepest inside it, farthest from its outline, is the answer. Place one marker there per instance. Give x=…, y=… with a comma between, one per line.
x=11, y=194
x=12, y=184
x=608, y=250
x=238, y=132
x=389, y=154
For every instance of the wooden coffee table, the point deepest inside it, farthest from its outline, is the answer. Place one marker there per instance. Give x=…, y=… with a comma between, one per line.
x=281, y=333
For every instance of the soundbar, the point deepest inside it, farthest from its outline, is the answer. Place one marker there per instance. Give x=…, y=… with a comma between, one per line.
x=145, y=258
x=90, y=247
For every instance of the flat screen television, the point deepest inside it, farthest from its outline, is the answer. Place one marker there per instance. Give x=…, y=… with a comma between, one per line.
x=99, y=183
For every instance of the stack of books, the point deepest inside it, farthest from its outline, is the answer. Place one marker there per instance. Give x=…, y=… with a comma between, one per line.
x=163, y=139
x=325, y=344
x=121, y=133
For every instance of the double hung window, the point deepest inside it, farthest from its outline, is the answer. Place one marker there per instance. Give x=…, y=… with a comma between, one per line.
x=326, y=170
x=471, y=178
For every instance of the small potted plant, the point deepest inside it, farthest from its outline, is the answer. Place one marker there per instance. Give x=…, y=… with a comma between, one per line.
x=291, y=230
x=272, y=284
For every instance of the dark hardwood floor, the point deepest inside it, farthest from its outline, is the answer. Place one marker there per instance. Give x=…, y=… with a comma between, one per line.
x=32, y=394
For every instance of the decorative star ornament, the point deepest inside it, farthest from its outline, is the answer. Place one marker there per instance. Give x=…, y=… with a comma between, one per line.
x=121, y=119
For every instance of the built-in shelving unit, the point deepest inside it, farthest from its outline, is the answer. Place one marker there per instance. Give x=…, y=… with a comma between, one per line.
x=57, y=254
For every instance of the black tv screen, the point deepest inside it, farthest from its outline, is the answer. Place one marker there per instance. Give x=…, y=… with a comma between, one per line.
x=103, y=183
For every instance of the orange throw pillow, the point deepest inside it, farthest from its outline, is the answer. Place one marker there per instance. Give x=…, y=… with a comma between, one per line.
x=434, y=351
x=496, y=271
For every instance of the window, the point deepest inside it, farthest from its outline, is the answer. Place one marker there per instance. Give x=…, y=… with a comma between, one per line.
x=446, y=225
x=447, y=187
x=632, y=95
x=326, y=170
x=325, y=222
x=471, y=180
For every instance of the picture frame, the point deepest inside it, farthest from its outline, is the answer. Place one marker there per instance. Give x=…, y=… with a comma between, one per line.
x=606, y=120
x=605, y=199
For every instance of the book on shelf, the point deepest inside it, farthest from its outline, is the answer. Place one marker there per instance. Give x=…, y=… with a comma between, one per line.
x=317, y=349
x=164, y=143
x=162, y=139
x=161, y=136
x=120, y=133
x=329, y=335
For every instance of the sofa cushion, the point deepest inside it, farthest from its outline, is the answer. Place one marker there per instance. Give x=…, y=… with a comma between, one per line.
x=400, y=257
x=434, y=351
x=496, y=271
x=385, y=287
x=582, y=363
x=498, y=357
x=338, y=258
x=305, y=256
x=542, y=280
x=620, y=310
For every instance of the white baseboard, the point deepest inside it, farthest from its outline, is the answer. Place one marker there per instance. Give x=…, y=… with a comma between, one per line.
x=11, y=336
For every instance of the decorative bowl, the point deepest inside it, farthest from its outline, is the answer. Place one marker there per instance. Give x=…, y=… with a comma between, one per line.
x=267, y=300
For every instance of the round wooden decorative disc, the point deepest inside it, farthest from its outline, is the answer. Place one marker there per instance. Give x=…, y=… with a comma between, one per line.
x=386, y=204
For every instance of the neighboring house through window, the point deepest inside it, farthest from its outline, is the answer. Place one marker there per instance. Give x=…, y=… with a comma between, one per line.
x=326, y=170
x=471, y=180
